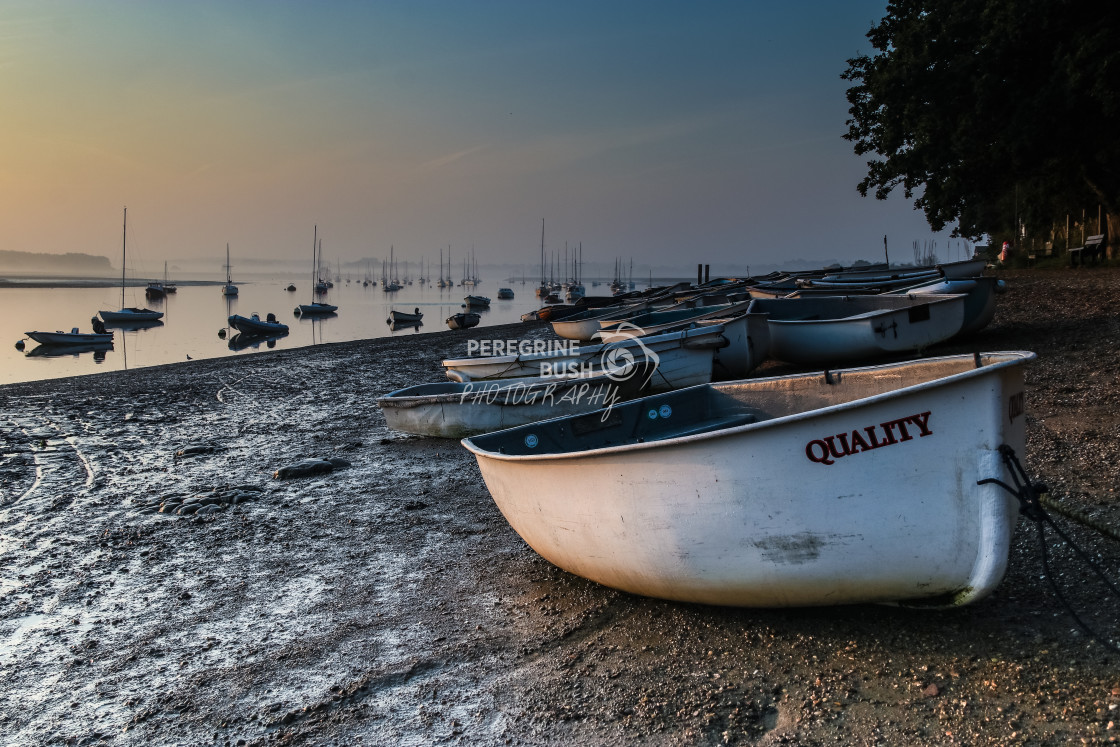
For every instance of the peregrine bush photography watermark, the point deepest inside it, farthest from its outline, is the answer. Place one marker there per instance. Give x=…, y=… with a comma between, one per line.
x=558, y=372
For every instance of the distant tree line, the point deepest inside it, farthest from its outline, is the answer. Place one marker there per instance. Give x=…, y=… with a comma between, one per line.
x=69, y=263
x=999, y=117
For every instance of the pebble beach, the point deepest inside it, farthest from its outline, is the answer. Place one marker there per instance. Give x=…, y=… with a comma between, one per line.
x=238, y=551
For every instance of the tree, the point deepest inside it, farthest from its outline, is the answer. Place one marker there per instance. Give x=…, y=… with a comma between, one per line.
x=991, y=111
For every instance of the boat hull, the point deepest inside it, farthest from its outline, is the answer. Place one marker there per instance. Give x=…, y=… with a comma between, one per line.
x=400, y=317
x=313, y=309
x=71, y=338
x=131, y=315
x=257, y=327
x=844, y=329
x=753, y=515
x=684, y=358
x=463, y=320
x=459, y=410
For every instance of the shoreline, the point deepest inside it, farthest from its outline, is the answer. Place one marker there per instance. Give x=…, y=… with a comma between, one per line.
x=389, y=601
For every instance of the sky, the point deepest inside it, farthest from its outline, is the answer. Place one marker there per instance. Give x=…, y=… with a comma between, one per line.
x=663, y=133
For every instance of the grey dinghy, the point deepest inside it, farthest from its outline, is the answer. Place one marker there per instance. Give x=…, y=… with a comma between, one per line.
x=849, y=486
x=823, y=330
x=685, y=357
x=455, y=410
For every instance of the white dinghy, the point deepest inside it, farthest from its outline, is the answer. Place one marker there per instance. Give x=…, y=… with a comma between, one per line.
x=822, y=330
x=841, y=487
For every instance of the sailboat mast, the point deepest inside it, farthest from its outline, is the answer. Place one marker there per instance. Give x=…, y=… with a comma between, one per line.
x=124, y=244
x=314, y=260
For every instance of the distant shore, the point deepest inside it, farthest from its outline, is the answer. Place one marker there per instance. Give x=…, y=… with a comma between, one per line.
x=64, y=282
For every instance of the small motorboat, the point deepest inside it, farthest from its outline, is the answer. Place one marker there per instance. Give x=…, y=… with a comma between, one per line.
x=842, y=487
x=478, y=302
x=254, y=325
x=399, y=317
x=463, y=320
x=505, y=294
x=73, y=337
x=315, y=309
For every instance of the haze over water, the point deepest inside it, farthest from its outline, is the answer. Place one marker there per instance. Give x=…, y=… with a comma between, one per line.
x=194, y=315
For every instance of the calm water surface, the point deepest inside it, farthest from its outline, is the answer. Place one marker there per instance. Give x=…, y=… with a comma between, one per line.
x=195, y=314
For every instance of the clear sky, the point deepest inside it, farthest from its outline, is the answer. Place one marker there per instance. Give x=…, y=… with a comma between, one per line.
x=670, y=133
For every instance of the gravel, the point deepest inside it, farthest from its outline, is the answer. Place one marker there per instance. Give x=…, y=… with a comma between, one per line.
x=386, y=601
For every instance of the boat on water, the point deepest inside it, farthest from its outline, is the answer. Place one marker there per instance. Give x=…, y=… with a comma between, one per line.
x=822, y=330
x=229, y=289
x=680, y=358
x=128, y=313
x=505, y=294
x=73, y=337
x=315, y=308
x=841, y=487
x=460, y=409
x=478, y=302
x=254, y=325
x=463, y=320
x=168, y=286
x=400, y=317
x=155, y=289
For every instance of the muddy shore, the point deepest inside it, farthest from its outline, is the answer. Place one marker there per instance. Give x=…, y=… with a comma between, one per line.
x=388, y=602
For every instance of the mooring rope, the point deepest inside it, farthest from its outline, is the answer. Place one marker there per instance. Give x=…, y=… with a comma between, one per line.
x=1033, y=506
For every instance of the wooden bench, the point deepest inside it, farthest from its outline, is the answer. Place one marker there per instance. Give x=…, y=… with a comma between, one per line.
x=1093, y=250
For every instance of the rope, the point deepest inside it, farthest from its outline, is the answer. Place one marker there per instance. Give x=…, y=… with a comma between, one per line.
x=1033, y=506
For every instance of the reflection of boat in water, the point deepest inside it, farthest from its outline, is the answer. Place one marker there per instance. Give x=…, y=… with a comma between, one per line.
x=316, y=316
x=398, y=326
x=243, y=340
x=133, y=325
x=48, y=350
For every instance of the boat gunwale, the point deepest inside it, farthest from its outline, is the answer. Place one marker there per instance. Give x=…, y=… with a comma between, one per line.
x=679, y=336
x=934, y=299
x=1013, y=358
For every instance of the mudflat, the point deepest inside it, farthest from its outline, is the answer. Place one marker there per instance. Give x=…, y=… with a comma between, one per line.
x=387, y=601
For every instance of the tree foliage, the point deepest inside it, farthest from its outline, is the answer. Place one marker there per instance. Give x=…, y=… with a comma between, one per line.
x=991, y=111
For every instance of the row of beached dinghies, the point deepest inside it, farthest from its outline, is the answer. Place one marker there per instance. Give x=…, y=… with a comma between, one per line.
x=638, y=449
